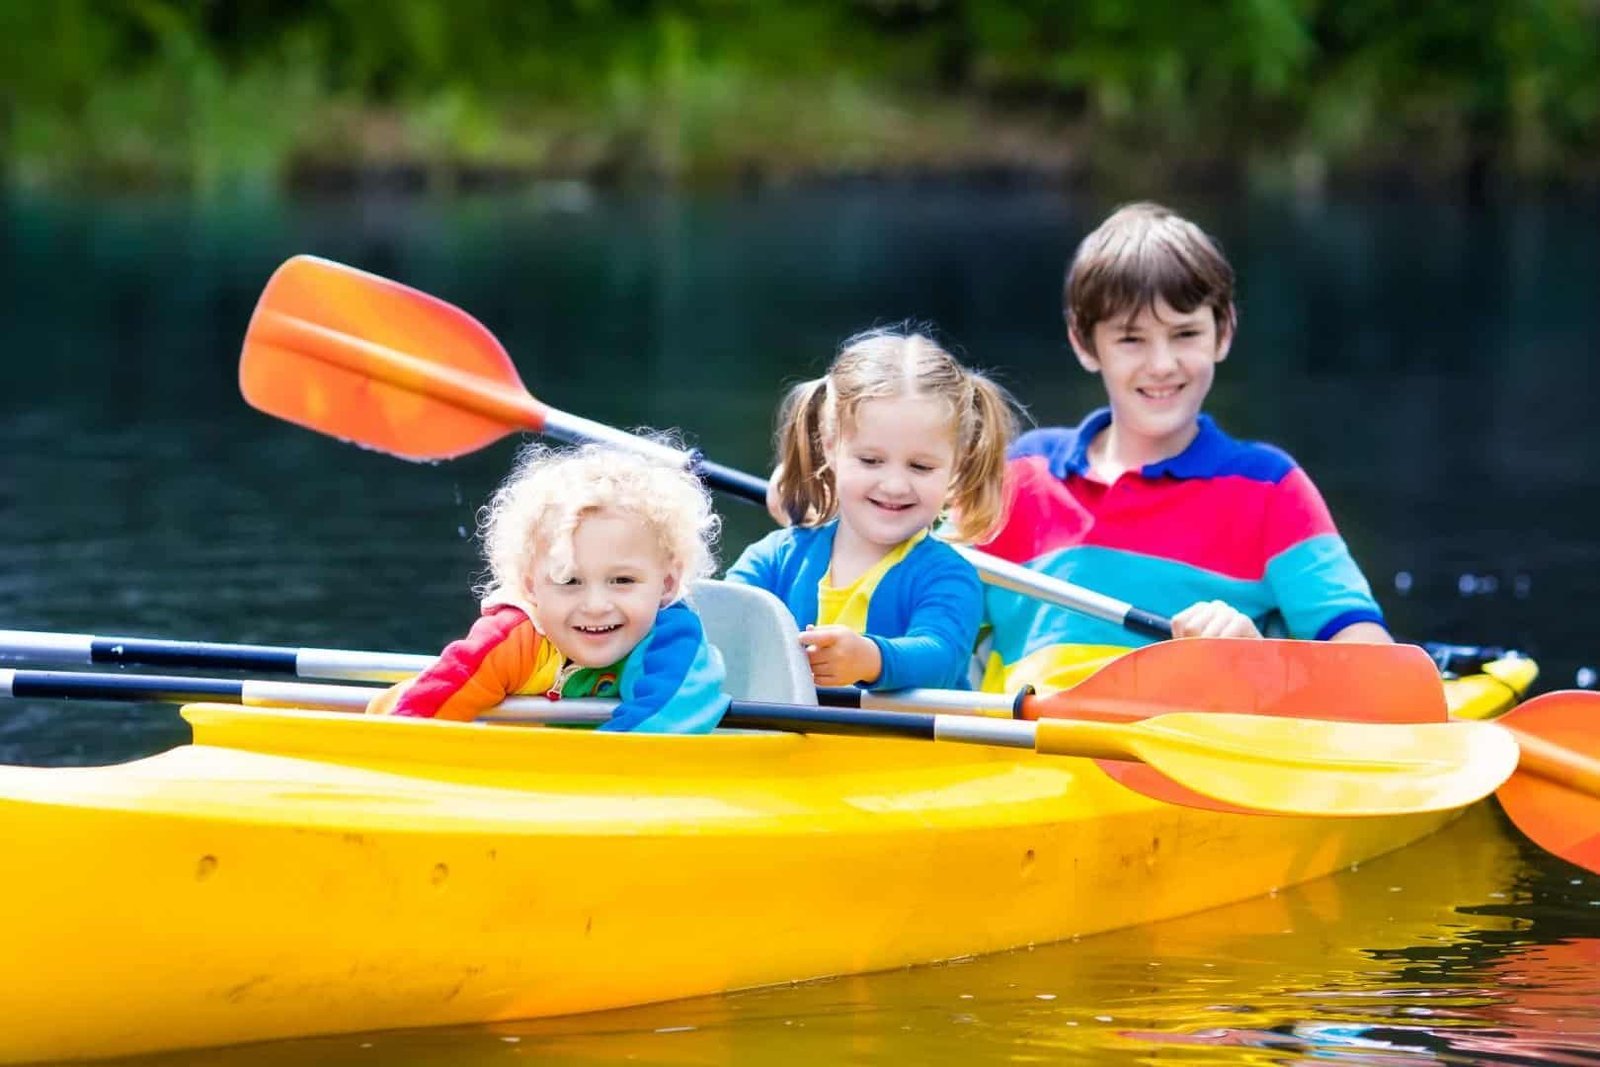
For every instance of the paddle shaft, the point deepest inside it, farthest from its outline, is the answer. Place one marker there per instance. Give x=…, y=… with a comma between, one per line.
x=65, y=649
x=1260, y=763
x=173, y=689
x=72, y=650
x=1111, y=699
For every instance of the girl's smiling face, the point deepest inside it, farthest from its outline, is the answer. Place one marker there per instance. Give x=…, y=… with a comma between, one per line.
x=892, y=468
x=1158, y=365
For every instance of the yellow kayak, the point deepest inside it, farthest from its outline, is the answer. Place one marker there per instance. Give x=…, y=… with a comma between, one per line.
x=296, y=873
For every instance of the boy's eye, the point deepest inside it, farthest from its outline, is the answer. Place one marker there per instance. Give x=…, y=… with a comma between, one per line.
x=922, y=468
x=624, y=579
x=868, y=461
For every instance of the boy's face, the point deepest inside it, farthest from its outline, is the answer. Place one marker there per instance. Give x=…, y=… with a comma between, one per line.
x=605, y=607
x=1157, y=365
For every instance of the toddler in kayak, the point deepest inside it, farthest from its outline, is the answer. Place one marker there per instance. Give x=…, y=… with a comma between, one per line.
x=870, y=456
x=1147, y=500
x=590, y=551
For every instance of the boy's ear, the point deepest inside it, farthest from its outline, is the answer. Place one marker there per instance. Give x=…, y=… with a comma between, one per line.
x=1084, y=350
x=1225, y=340
x=669, y=587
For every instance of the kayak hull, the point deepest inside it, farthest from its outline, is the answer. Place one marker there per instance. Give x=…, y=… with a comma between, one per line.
x=304, y=873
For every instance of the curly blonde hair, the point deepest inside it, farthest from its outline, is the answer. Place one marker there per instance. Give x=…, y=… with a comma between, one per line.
x=884, y=364
x=530, y=520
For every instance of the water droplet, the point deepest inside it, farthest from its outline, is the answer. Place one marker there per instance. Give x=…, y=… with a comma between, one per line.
x=1402, y=582
x=1522, y=586
x=1586, y=677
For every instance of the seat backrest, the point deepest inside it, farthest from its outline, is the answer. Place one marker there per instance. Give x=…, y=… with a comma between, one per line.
x=759, y=642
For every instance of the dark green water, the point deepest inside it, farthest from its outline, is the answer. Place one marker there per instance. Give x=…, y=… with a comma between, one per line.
x=1431, y=365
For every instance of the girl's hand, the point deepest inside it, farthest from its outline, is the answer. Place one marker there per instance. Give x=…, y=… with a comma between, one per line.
x=840, y=656
x=1213, y=618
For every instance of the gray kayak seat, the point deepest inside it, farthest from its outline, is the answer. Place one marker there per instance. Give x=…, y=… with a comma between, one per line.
x=759, y=642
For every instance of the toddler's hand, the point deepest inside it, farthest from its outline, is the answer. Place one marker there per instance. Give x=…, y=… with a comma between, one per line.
x=840, y=656
x=1213, y=618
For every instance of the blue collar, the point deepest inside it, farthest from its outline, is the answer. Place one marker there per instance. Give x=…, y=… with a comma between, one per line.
x=1202, y=458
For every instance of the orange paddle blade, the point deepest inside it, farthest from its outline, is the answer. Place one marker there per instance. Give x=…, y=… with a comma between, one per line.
x=372, y=361
x=1554, y=797
x=1337, y=682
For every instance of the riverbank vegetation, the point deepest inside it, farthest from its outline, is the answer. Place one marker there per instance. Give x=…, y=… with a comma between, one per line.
x=215, y=94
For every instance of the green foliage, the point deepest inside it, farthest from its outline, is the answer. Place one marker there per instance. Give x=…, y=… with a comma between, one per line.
x=218, y=92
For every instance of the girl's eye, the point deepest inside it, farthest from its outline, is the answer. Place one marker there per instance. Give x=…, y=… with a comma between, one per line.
x=624, y=579
x=922, y=468
x=868, y=461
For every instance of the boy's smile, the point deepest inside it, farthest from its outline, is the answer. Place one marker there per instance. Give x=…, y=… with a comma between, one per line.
x=1158, y=365
x=619, y=579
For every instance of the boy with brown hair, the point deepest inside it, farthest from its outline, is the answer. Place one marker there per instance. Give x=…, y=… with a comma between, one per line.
x=1147, y=500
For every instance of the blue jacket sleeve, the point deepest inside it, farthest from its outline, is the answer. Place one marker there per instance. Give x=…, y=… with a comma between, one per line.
x=757, y=565
x=672, y=682
x=936, y=648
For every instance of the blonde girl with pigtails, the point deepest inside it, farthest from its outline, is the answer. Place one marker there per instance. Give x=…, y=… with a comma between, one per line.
x=871, y=455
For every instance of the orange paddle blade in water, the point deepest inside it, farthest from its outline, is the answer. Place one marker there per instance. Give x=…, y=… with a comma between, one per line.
x=369, y=360
x=1554, y=797
x=1338, y=682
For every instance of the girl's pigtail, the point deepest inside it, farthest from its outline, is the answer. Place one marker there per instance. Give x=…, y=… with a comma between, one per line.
x=805, y=484
x=977, y=496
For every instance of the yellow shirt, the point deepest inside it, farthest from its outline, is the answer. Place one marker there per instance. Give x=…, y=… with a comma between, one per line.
x=848, y=606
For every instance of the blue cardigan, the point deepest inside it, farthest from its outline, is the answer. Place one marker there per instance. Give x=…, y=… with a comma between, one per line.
x=672, y=681
x=923, y=616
